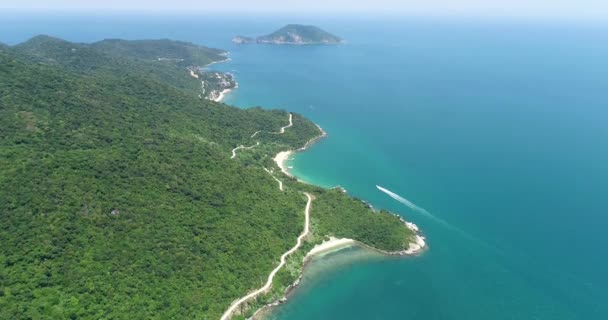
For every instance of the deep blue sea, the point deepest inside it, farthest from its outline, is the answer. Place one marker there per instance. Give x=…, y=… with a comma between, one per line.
x=499, y=129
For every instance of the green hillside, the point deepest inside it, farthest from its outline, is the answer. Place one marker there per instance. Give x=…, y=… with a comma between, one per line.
x=183, y=53
x=53, y=51
x=137, y=58
x=119, y=200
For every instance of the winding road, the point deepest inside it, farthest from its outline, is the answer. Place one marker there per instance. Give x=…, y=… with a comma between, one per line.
x=289, y=125
x=242, y=147
x=275, y=178
x=282, y=130
x=268, y=284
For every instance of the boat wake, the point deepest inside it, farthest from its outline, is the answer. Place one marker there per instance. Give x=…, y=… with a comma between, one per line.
x=413, y=206
x=440, y=221
x=403, y=200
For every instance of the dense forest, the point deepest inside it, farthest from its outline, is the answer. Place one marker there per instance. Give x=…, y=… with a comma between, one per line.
x=118, y=196
x=157, y=60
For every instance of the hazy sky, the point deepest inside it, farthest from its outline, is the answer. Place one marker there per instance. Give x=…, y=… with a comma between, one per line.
x=524, y=8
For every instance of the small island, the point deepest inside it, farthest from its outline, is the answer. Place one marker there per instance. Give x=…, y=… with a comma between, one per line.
x=294, y=34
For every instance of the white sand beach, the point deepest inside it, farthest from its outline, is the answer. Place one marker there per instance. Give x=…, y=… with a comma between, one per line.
x=330, y=245
x=222, y=95
x=281, y=159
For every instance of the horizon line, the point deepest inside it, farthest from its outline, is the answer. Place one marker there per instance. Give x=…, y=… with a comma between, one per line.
x=482, y=15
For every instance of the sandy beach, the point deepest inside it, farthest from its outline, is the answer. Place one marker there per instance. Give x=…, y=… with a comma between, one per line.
x=330, y=245
x=335, y=244
x=281, y=158
x=222, y=94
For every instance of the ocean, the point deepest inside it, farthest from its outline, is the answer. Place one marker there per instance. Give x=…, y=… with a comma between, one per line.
x=497, y=129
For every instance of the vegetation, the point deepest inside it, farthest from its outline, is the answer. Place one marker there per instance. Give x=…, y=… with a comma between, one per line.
x=354, y=220
x=167, y=65
x=118, y=197
x=183, y=53
x=53, y=51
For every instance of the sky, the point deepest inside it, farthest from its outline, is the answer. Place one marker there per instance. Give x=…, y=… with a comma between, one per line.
x=516, y=8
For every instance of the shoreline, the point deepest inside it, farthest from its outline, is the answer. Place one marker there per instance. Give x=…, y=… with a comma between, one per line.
x=219, y=61
x=223, y=93
x=280, y=160
x=226, y=91
x=334, y=244
x=282, y=157
x=416, y=246
x=328, y=246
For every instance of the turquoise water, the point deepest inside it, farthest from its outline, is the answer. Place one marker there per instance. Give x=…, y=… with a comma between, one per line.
x=498, y=129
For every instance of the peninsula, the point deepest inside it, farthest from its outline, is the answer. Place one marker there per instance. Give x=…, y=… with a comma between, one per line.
x=121, y=187
x=293, y=34
x=243, y=40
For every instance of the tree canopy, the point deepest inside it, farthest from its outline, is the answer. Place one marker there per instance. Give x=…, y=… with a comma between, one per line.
x=118, y=197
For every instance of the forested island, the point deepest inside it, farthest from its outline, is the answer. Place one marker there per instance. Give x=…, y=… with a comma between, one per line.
x=295, y=34
x=122, y=195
